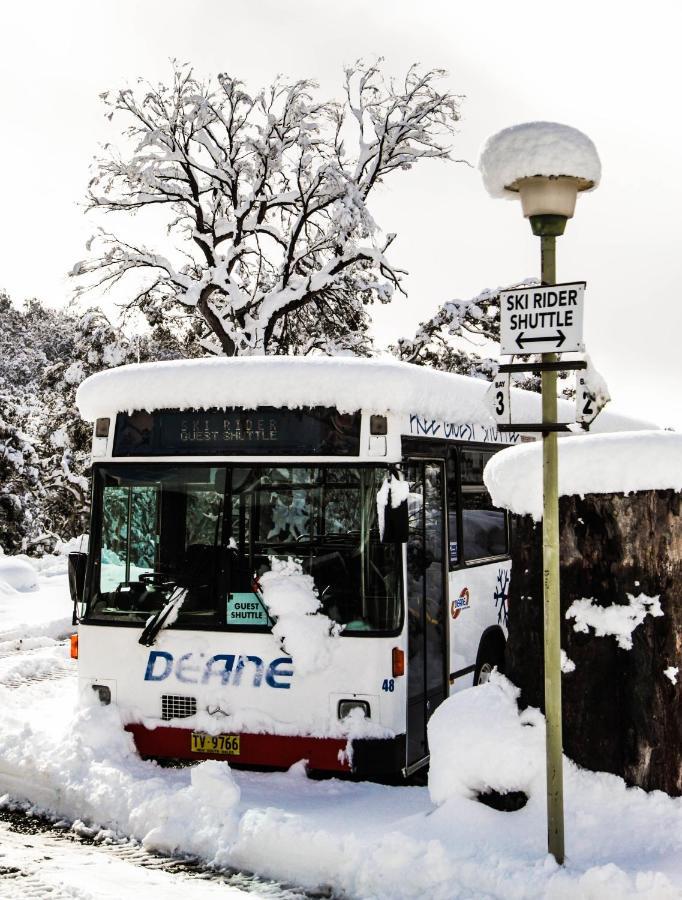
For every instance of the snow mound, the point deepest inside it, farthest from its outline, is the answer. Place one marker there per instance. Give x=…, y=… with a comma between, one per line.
x=34, y=600
x=595, y=464
x=537, y=148
x=477, y=743
x=17, y=575
x=195, y=819
x=306, y=634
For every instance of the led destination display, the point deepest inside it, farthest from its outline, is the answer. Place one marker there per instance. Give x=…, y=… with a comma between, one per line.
x=315, y=431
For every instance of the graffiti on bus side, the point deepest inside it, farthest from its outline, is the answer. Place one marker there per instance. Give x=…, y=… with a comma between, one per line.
x=224, y=668
x=457, y=431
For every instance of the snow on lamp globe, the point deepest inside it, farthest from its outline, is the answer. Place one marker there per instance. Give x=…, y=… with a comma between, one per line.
x=546, y=165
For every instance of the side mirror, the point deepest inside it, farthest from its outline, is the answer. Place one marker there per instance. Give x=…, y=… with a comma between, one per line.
x=396, y=523
x=77, y=565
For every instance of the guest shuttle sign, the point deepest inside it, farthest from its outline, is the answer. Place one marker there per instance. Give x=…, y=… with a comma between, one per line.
x=543, y=319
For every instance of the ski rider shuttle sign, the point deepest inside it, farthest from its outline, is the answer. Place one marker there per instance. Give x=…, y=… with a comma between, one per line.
x=542, y=319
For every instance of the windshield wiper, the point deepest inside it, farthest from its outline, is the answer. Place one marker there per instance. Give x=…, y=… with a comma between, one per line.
x=165, y=616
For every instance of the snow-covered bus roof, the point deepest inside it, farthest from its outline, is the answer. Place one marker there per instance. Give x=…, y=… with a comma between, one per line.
x=380, y=385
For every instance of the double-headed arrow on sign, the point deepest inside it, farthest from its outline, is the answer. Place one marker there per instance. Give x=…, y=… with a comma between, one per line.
x=559, y=338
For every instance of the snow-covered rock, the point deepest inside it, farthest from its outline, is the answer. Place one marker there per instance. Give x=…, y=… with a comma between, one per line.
x=595, y=464
x=537, y=148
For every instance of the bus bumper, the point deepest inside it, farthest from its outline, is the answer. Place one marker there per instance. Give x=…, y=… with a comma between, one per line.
x=370, y=758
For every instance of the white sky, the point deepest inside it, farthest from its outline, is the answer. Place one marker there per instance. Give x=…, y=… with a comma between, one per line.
x=610, y=69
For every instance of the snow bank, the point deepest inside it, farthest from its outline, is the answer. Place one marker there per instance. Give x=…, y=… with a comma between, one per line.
x=537, y=148
x=618, y=619
x=594, y=464
x=349, y=839
x=306, y=634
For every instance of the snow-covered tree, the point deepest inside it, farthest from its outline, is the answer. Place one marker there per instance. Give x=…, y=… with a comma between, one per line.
x=266, y=197
x=44, y=444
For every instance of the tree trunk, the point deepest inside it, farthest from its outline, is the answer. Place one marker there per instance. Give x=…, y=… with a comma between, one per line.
x=621, y=713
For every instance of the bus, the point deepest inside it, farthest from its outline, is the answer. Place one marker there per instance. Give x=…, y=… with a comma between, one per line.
x=289, y=558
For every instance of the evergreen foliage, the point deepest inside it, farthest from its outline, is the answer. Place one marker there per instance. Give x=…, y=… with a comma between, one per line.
x=44, y=445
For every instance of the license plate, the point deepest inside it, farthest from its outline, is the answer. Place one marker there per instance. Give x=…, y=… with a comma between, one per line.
x=225, y=744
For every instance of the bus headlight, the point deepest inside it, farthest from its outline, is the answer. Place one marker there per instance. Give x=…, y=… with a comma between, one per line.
x=347, y=706
x=103, y=692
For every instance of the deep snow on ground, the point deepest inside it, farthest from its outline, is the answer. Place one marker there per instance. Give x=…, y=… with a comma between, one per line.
x=33, y=609
x=363, y=839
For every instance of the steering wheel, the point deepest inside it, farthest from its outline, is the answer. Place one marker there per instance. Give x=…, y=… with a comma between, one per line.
x=157, y=579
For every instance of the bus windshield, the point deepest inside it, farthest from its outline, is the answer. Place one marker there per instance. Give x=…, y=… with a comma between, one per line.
x=212, y=531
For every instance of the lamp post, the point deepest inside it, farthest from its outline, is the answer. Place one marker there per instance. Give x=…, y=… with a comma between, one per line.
x=546, y=203
x=548, y=200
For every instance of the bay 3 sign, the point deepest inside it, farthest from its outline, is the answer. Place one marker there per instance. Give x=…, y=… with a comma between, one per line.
x=542, y=319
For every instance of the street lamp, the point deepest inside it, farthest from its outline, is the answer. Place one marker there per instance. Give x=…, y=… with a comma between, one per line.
x=547, y=165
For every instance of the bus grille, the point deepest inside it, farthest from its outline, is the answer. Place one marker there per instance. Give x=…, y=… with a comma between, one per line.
x=174, y=707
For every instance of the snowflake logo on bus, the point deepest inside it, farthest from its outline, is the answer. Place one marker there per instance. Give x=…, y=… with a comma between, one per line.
x=501, y=597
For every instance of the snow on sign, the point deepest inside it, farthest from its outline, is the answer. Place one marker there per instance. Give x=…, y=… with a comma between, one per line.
x=545, y=319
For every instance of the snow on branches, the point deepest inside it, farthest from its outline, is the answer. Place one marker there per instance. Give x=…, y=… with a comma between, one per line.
x=268, y=194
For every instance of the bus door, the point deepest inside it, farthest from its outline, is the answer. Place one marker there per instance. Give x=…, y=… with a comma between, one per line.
x=426, y=606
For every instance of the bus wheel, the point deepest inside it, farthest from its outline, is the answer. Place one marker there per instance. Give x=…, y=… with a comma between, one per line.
x=490, y=656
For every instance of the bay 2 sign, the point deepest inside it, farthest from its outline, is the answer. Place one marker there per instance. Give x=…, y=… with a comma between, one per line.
x=542, y=319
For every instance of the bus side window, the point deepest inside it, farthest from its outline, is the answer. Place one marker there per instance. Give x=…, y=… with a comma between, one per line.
x=484, y=526
x=453, y=536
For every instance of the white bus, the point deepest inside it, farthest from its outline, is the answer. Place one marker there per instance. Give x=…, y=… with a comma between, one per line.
x=210, y=474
